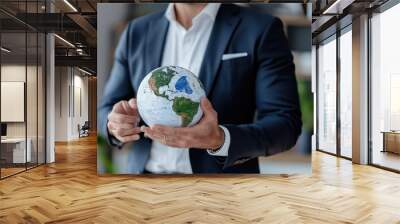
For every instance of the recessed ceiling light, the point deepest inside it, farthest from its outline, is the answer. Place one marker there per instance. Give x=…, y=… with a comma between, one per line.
x=337, y=7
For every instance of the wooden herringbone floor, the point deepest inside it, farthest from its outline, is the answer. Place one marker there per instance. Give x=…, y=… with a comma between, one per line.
x=70, y=191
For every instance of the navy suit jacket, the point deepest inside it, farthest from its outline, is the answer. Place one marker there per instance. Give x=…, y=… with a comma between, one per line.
x=255, y=96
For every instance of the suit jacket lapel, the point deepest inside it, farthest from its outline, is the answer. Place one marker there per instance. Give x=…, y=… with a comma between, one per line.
x=225, y=23
x=155, y=41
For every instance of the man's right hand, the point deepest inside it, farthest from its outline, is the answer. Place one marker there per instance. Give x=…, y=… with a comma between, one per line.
x=123, y=121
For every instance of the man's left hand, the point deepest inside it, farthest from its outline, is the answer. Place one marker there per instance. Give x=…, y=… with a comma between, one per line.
x=204, y=135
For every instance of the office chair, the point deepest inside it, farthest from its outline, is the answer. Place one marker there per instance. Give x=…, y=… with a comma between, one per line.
x=84, y=130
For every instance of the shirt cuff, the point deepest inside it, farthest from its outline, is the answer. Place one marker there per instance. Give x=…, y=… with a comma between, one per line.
x=223, y=151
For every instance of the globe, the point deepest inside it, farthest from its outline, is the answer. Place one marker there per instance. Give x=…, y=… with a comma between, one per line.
x=170, y=95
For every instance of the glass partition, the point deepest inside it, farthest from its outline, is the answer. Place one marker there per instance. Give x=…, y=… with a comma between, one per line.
x=327, y=96
x=31, y=97
x=15, y=150
x=41, y=96
x=22, y=77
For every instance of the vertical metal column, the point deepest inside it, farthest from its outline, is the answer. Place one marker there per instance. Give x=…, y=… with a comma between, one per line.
x=50, y=91
x=360, y=90
x=316, y=97
x=26, y=87
x=338, y=77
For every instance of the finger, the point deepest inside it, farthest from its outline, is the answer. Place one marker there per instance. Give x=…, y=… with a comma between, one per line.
x=173, y=131
x=156, y=135
x=115, y=125
x=148, y=132
x=128, y=109
x=133, y=104
x=177, y=137
x=118, y=107
x=207, y=107
x=160, y=129
x=171, y=141
x=123, y=107
x=117, y=130
x=177, y=144
x=129, y=138
x=123, y=118
x=185, y=134
x=124, y=132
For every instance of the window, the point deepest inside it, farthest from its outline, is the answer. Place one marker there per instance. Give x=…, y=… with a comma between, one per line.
x=327, y=96
x=385, y=89
x=346, y=93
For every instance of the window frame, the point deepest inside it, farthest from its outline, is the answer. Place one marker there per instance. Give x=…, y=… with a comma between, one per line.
x=346, y=26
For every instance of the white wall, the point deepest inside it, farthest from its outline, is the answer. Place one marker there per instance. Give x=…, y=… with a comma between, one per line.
x=61, y=103
x=17, y=73
x=70, y=83
x=79, y=117
x=12, y=73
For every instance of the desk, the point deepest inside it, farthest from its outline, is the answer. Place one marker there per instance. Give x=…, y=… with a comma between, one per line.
x=391, y=141
x=13, y=150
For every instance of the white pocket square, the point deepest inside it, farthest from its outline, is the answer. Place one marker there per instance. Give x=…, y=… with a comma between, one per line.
x=234, y=55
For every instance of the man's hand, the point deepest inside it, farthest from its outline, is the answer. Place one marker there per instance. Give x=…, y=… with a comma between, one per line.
x=123, y=121
x=204, y=135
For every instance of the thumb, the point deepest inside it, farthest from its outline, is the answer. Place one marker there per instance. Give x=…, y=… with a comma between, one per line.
x=131, y=107
x=120, y=107
x=207, y=107
x=126, y=109
x=132, y=103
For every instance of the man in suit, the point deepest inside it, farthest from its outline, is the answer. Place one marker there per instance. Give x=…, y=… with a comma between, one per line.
x=242, y=58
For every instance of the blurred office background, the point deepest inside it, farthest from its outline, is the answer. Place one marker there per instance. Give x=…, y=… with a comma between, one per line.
x=112, y=20
x=48, y=83
x=356, y=81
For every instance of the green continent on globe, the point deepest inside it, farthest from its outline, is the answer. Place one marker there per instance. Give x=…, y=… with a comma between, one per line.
x=185, y=108
x=160, y=78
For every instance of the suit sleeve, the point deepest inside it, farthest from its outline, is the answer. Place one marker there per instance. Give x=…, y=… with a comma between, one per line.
x=117, y=88
x=278, y=121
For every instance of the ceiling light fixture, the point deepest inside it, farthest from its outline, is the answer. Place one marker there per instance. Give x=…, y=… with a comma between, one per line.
x=70, y=5
x=337, y=7
x=5, y=50
x=84, y=71
x=65, y=41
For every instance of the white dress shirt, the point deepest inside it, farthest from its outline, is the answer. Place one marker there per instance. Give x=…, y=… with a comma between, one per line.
x=184, y=48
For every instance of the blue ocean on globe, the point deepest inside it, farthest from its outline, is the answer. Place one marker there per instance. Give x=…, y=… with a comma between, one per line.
x=182, y=85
